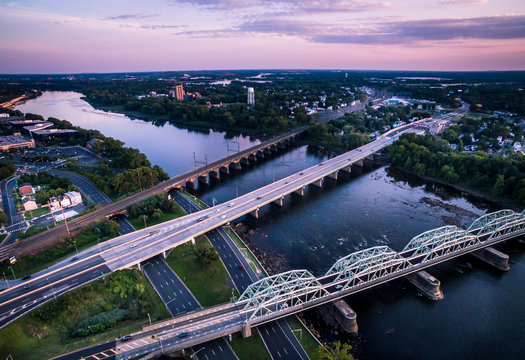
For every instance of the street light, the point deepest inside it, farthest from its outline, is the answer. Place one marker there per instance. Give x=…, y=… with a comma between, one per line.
x=195, y=353
x=7, y=282
x=75, y=242
x=54, y=294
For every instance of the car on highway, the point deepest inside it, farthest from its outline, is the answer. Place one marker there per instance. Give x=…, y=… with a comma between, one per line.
x=125, y=338
x=241, y=267
x=259, y=197
x=27, y=287
x=25, y=277
x=132, y=246
x=230, y=204
x=183, y=335
x=74, y=258
x=338, y=286
x=223, y=216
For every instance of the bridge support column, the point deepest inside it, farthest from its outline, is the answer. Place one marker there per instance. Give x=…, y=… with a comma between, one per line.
x=281, y=145
x=190, y=185
x=260, y=154
x=274, y=148
x=347, y=169
x=318, y=183
x=279, y=202
x=427, y=284
x=245, y=161
x=299, y=192
x=215, y=175
x=139, y=267
x=203, y=179
x=164, y=254
x=357, y=167
x=493, y=257
x=225, y=170
x=192, y=239
x=333, y=175
x=246, y=331
x=368, y=162
x=253, y=157
x=345, y=316
x=267, y=151
x=255, y=213
x=236, y=165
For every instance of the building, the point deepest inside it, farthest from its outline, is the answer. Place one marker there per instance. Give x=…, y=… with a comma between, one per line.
x=15, y=141
x=26, y=189
x=74, y=197
x=251, y=97
x=29, y=203
x=171, y=93
x=54, y=133
x=179, y=92
x=153, y=94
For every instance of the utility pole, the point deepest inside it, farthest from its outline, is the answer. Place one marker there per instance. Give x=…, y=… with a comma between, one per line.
x=140, y=184
x=194, y=161
x=6, y=282
x=65, y=220
x=52, y=215
x=206, y=159
x=14, y=276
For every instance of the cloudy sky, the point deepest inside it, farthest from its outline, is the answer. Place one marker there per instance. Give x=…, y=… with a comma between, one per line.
x=52, y=36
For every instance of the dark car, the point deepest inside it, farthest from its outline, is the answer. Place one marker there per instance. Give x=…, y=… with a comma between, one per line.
x=25, y=277
x=27, y=287
x=183, y=335
x=74, y=258
x=125, y=338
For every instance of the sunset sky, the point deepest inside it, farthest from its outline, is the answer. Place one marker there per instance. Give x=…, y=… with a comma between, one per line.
x=47, y=36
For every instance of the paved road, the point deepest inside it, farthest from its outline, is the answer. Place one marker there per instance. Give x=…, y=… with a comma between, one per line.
x=277, y=336
x=15, y=220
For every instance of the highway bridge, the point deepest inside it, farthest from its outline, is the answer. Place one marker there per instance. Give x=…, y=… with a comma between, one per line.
x=287, y=293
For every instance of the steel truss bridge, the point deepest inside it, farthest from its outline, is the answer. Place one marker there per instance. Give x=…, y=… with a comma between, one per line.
x=293, y=291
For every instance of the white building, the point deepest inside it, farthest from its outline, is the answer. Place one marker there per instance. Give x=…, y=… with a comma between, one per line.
x=74, y=197
x=29, y=203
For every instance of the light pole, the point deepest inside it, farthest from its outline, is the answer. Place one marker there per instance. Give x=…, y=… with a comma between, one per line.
x=75, y=242
x=6, y=282
x=149, y=317
x=14, y=276
x=54, y=294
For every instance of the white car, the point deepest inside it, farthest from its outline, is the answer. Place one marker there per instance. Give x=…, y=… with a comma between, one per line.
x=132, y=246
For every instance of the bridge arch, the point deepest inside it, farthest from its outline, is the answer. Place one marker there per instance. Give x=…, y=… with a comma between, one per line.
x=439, y=242
x=281, y=291
x=491, y=223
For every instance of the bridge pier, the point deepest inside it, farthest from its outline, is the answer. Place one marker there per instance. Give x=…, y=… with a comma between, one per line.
x=253, y=157
x=345, y=316
x=279, y=202
x=259, y=154
x=164, y=254
x=190, y=185
x=346, y=169
x=267, y=151
x=368, y=162
x=274, y=148
x=236, y=165
x=255, y=213
x=245, y=161
x=427, y=284
x=203, y=179
x=318, y=183
x=281, y=145
x=299, y=192
x=224, y=169
x=333, y=175
x=493, y=257
x=357, y=167
x=215, y=175
x=192, y=239
x=246, y=330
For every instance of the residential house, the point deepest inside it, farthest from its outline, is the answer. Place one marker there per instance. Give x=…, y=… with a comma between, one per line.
x=29, y=203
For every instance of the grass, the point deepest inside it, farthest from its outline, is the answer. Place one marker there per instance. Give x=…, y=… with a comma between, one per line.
x=36, y=213
x=240, y=244
x=138, y=223
x=32, y=263
x=251, y=348
x=308, y=342
x=46, y=332
x=208, y=283
x=195, y=199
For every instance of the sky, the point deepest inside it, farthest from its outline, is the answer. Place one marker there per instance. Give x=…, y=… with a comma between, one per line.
x=52, y=36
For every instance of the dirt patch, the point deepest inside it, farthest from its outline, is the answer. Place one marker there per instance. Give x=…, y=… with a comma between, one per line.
x=448, y=207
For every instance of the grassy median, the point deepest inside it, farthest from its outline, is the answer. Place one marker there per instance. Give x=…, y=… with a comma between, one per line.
x=308, y=342
x=251, y=348
x=208, y=283
x=99, y=311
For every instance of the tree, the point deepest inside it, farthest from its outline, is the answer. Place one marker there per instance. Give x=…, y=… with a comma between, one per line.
x=3, y=218
x=111, y=228
x=204, y=253
x=499, y=185
x=336, y=351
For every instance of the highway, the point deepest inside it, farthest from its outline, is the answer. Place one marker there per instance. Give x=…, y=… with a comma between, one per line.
x=277, y=336
x=15, y=220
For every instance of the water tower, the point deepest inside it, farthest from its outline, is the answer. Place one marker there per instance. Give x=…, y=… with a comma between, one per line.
x=251, y=97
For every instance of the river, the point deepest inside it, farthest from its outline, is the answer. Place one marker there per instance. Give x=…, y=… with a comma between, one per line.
x=482, y=313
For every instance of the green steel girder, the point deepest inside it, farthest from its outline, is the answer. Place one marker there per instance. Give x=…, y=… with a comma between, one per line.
x=510, y=227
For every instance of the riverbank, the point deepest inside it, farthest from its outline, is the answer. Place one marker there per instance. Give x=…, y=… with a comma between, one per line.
x=496, y=202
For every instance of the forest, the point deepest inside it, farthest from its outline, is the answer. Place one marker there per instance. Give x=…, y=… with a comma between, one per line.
x=496, y=175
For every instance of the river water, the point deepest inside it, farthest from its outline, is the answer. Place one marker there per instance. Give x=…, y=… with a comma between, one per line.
x=483, y=312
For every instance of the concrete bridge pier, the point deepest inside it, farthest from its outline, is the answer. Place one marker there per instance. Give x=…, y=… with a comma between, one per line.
x=236, y=165
x=255, y=213
x=357, y=167
x=214, y=175
x=347, y=169
x=318, y=183
x=493, y=257
x=281, y=145
x=279, y=202
x=246, y=330
x=427, y=284
x=274, y=148
x=368, y=162
x=333, y=175
x=267, y=151
x=345, y=316
x=253, y=157
x=245, y=161
x=260, y=154
x=299, y=192
x=190, y=185
x=203, y=179
x=224, y=169
x=164, y=254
